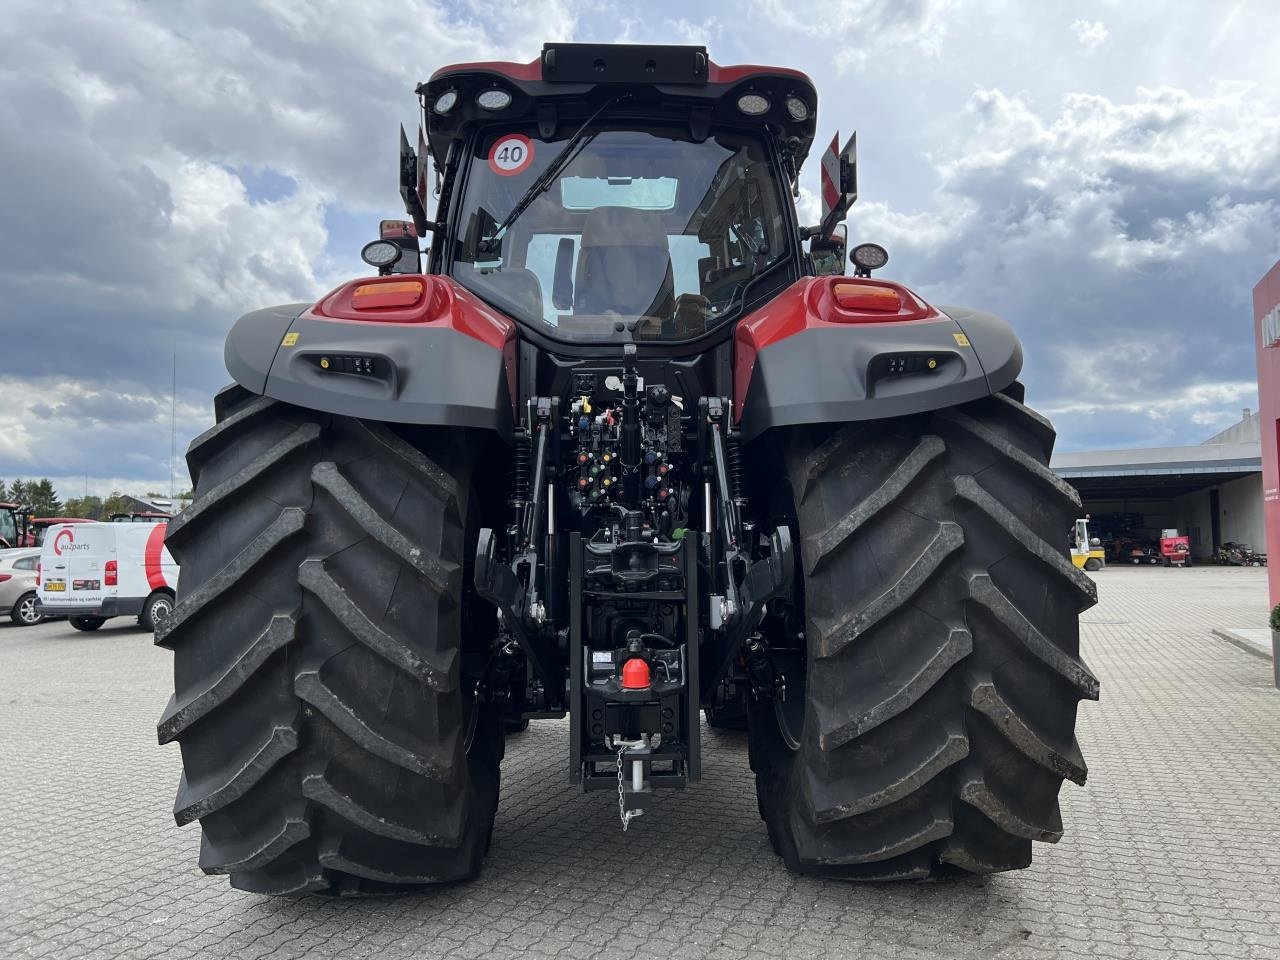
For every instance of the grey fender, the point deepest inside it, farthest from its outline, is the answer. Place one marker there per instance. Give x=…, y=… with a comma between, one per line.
x=251, y=346
x=394, y=372
x=847, y=373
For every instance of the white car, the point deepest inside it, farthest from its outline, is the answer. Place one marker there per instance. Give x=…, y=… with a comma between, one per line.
x=90, y=572
x=18, y=585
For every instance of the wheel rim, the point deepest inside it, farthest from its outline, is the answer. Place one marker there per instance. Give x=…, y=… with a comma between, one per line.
x=27, y=610
x=160, y=610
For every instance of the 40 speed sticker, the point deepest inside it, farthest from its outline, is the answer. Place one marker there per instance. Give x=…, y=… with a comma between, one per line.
x=511, y=154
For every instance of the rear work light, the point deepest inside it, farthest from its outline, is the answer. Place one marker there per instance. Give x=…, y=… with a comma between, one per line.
x=110, y=574
x=378, y=296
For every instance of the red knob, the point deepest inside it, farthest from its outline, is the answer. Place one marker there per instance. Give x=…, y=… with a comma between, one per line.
x=635, y=674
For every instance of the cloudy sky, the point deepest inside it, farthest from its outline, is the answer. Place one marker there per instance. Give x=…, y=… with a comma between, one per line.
x=1102, y=172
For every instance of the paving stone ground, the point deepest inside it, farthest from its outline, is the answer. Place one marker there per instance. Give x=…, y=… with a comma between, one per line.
x=1172, y=850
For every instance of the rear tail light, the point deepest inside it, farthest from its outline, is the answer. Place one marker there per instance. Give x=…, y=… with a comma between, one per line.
x=37, y=573
x=867, y=296
x=873, y=301
x=379, y=296
x=111, y=575
x=5, y=576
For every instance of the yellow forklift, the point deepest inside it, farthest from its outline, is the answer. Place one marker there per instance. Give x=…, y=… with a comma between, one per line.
x=1086, y=551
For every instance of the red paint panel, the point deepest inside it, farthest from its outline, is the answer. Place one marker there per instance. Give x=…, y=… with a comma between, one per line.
x=1266, y=297
x=514, y=71
x=533, y=71
x=151, y=557
x=741, y=71
x=807, y=304
x=444, y=304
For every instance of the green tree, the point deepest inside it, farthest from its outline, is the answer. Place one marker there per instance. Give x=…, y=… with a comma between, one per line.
x=4, y=492
x=88, y=507
x=43, y=498
x=18, y=492
x=116, y=503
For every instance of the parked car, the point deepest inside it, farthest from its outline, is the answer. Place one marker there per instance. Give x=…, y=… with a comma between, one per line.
x=18, y=585
x=91, y=572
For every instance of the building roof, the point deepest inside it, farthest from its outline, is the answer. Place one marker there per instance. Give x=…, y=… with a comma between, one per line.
x=1159, y=472
x=1201, y=458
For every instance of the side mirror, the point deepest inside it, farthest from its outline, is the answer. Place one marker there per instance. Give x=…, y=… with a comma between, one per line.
x=405, y=236
x=827, y=253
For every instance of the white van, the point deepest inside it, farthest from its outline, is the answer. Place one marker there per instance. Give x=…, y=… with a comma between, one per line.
x=90, y=572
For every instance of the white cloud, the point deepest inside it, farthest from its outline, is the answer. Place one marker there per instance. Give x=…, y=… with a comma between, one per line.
x=862, y=29
x=1121, y=239
x=131, y=133
x=1099, y=202
x=1092, y=34
x=60, y=427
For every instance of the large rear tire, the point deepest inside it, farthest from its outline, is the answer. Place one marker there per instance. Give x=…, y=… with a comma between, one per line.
x=934, y=720
x=323, y=697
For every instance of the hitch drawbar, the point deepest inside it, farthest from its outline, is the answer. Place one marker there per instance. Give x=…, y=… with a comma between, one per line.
x=631, y=788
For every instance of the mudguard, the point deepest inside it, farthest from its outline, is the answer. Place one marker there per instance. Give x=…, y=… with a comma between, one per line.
x=364, y=350
x=802, y=359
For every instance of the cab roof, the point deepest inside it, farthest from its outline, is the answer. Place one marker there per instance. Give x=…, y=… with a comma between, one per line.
x=569, y=81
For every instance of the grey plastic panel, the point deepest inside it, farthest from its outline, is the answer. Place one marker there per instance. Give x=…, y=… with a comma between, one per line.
x=252, y=343
x=824, y=375
x=426, y=375
x=998, y=348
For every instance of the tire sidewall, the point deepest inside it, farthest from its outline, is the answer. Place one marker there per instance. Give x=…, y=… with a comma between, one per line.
x=20, y=614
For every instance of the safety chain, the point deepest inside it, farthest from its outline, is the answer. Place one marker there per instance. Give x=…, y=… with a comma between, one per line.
x=625, y=815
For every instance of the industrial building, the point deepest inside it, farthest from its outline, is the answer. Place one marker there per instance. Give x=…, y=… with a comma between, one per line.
x=1211, y=491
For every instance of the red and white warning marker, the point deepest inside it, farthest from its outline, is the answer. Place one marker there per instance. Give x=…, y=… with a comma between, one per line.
x=830, y=166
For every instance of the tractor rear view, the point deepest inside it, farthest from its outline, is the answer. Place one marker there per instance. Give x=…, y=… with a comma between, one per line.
x=614, y=449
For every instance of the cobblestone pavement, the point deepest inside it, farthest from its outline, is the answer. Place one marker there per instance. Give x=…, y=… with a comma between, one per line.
x=1172, y=850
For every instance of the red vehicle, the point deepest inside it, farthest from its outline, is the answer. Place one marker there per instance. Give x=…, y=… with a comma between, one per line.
x=15, y=526
x=1175, y=551
x=622, y=448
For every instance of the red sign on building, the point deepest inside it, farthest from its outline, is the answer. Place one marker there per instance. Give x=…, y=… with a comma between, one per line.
x=1266, y=332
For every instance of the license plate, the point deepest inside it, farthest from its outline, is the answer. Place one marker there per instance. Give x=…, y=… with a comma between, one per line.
x=55, y=587
x=86, y=584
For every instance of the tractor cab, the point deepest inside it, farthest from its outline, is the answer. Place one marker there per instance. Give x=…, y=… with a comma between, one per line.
x=617, y=194
x=15, y=526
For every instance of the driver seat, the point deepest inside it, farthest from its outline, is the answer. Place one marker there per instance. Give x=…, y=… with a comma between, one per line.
x=624, y=265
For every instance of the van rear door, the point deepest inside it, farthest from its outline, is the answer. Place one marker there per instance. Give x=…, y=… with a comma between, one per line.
x=73, y=565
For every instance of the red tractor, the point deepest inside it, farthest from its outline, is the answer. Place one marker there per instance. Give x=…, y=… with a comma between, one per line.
x=615, y=449
x=15, y=526
x=1175, y=551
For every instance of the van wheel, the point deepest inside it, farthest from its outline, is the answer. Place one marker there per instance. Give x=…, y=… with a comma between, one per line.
x=158, y=606
x=88, y=623
x=24, y=612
